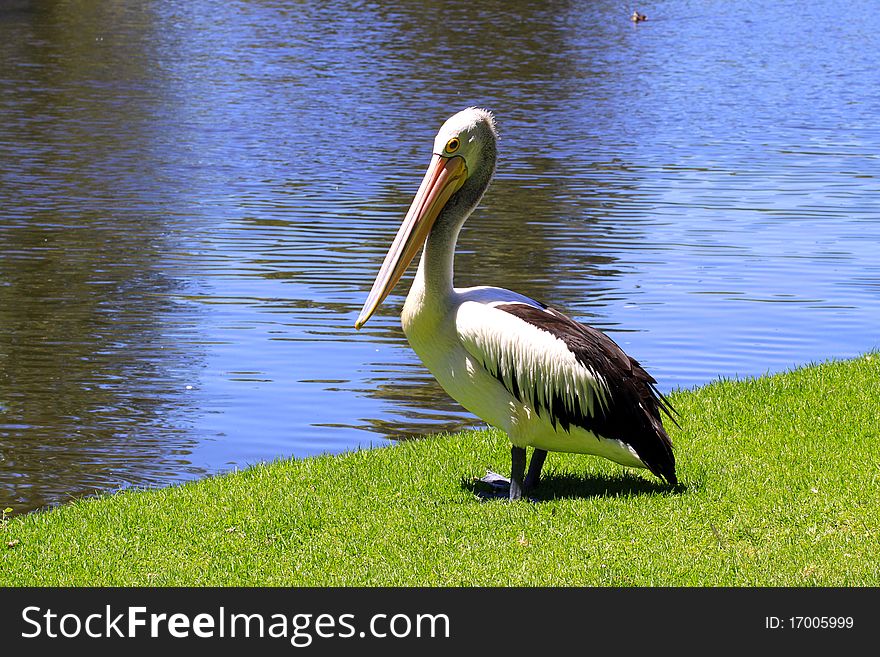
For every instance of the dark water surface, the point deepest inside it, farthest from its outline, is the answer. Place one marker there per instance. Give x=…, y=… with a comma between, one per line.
x=195, y=197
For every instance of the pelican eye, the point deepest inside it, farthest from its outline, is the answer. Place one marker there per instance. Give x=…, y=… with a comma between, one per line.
x=453, y=144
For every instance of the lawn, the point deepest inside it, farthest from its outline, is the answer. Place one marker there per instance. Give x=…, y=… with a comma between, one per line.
x=780, y=486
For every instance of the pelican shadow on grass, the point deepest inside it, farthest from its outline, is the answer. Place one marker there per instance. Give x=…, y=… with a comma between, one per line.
x=565, y=485
x=549, y=382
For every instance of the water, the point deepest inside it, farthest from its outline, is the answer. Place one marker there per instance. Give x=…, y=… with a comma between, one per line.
x=195, y=197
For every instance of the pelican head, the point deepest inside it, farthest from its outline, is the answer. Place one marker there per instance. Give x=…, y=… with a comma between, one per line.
x=460, y=170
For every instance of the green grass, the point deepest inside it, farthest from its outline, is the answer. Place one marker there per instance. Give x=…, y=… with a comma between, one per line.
x=780, y=486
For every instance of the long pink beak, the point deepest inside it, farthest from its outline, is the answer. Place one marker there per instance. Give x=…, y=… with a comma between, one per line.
x=444, y=177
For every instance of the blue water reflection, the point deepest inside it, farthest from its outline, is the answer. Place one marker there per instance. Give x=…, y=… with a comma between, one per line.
x=196, y=196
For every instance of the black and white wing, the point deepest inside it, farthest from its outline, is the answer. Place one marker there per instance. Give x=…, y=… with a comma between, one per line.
x=573, y=373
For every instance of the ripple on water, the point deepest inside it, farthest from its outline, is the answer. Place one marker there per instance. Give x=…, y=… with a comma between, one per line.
x=200, y=200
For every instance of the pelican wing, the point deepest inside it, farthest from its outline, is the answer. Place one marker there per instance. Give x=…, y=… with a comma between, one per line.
x=571, y=372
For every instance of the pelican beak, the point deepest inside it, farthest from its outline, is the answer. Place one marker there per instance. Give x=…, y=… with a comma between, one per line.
x=444, y=177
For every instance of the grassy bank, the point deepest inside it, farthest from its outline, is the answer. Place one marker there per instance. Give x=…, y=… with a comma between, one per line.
x=781, y=486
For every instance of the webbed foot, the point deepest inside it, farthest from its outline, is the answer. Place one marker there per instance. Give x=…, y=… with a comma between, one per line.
x=498, y=486
x=495, y=480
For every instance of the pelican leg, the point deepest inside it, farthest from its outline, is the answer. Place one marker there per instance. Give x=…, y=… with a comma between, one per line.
x=514, y=487
x=533, y=478
x=517, y=471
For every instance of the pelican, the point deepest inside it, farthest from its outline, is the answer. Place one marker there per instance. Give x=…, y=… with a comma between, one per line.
x=549, y=382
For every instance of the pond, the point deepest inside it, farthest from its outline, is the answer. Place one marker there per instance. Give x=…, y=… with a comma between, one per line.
x=196, y=196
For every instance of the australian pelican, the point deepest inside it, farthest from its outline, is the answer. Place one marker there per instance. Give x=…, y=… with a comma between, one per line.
x=551, y=383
